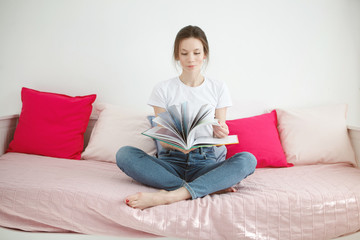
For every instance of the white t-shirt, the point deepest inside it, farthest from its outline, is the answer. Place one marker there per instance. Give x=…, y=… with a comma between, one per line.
x=174, y=92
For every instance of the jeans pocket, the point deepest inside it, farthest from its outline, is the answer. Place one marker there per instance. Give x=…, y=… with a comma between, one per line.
x=165, y=153
x=200, y=156
x=170, y=153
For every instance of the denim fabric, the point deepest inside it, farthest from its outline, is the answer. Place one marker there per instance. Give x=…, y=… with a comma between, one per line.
x=220, y=153
x=198, y=171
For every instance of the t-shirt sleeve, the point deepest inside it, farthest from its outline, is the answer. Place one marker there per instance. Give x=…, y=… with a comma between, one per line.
x=157, y=97
x=224, y=97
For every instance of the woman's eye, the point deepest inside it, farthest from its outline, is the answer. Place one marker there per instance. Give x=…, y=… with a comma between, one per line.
x=184, y=54
x=197, y=53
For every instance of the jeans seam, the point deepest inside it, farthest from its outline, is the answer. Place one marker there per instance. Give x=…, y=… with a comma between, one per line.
x=223, y=163
x=191, y=191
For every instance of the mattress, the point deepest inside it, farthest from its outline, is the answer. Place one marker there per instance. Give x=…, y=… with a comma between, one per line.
x=58, y=195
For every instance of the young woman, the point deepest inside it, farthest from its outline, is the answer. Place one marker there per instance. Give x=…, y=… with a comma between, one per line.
x=194, y=173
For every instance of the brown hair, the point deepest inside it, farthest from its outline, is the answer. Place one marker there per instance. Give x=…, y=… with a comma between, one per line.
x=191, y=32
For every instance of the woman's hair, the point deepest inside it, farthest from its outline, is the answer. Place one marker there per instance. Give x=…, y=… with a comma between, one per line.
x=191, y=32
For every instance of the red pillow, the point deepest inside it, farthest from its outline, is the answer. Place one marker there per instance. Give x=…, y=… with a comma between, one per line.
x=52, y=124
x=259, y=136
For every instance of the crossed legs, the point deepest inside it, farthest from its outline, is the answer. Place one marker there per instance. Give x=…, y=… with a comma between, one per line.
x=215, y=178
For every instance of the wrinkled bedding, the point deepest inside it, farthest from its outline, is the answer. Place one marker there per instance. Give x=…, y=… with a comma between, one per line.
x=58, y=195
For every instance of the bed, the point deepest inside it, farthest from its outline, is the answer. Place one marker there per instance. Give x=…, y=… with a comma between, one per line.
x=58, y=195
x=302, y=202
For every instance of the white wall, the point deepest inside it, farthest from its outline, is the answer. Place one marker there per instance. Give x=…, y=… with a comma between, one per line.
x=270, y=53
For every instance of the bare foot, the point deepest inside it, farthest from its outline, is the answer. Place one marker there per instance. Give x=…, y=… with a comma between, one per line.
x=142, y=200
x=227, y=190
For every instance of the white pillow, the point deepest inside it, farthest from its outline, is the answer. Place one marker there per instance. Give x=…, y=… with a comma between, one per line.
x=117, y=127
x=315, y=135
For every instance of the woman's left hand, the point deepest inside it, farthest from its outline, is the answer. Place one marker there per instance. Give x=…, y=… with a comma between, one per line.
x=221, y=131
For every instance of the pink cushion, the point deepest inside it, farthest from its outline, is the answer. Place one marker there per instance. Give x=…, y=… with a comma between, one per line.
x=52, y=124
x=315, y=135
x=259, y=136
x=117, y=127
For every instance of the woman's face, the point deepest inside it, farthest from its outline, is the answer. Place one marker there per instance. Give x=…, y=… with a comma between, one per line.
x=191, y=54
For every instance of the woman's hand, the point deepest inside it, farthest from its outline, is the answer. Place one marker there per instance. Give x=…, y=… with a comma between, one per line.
x=168, y=146
x=221, y=131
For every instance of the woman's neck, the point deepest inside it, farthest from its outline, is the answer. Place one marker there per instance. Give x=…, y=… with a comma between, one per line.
x=192, y=79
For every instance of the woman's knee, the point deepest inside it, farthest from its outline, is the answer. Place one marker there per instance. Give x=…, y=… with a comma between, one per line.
x=123, y=155
x=246, y=160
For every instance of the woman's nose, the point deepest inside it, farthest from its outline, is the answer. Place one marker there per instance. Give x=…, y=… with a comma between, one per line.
x=191, y=57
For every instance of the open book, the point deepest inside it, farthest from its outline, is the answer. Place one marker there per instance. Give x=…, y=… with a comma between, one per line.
x=178, y=125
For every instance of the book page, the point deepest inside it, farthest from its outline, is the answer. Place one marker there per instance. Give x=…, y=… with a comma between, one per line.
x=165, y=135
x=164, y=119
x=175, y=115
x=232, y=139
x=203, y=113
x=192, y=133
x=185, y=120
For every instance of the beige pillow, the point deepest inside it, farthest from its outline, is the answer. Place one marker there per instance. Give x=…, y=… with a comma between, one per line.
x=117, y=127
x=315, y=135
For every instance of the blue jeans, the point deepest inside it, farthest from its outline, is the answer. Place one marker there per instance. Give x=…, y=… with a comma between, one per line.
x=197, y=171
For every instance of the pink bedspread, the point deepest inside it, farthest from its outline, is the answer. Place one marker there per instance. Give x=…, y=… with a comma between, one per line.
x=57, y=195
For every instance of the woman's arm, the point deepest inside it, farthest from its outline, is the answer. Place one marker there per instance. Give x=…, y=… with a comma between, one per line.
x=158, y=110
x=223, y=130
